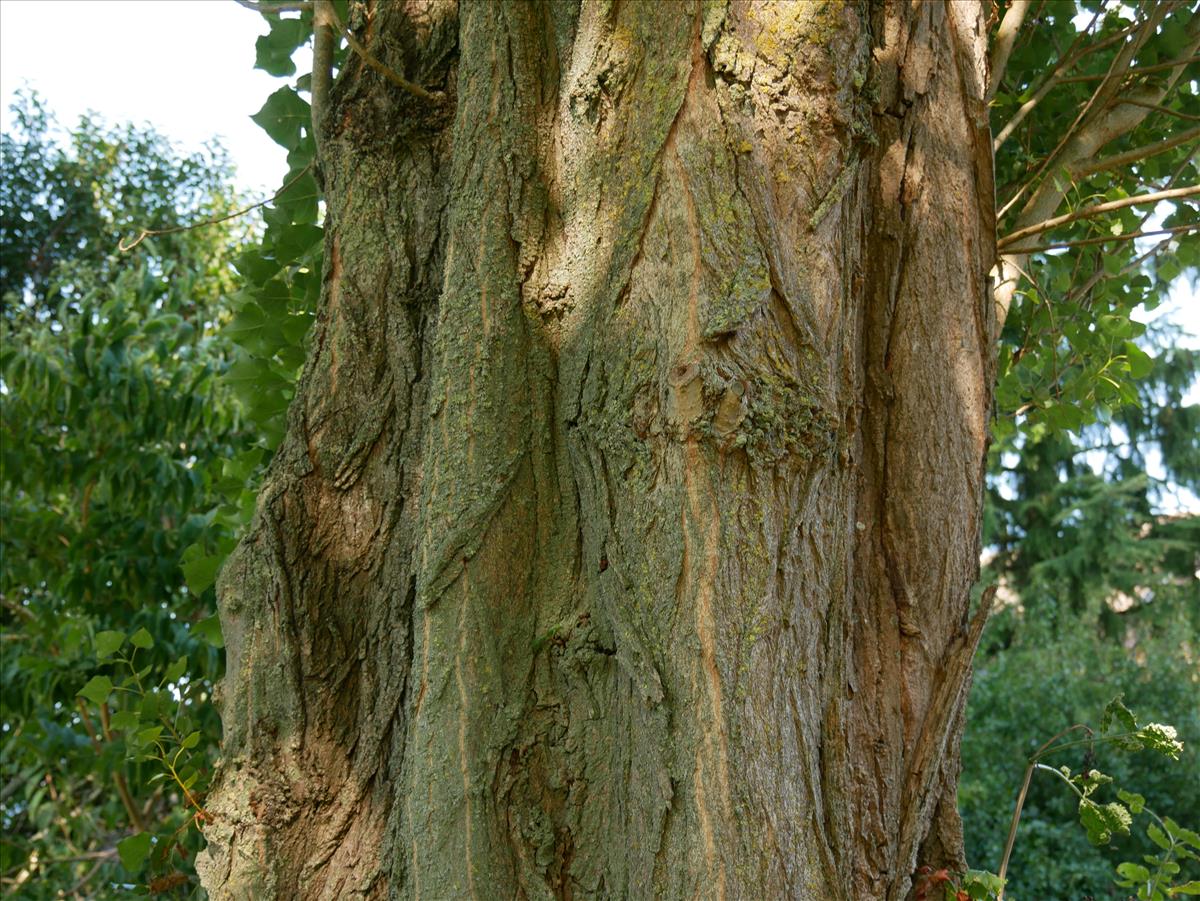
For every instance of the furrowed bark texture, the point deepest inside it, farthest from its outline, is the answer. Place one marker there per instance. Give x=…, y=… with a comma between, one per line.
x=622, y=539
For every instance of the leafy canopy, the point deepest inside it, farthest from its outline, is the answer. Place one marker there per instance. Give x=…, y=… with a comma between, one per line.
x=113, y=414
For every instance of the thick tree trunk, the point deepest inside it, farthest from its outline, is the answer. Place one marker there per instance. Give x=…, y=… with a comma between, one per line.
x=622, y=539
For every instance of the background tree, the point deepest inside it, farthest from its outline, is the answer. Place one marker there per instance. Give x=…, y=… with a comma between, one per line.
x=112, y=419
x=1102, y=588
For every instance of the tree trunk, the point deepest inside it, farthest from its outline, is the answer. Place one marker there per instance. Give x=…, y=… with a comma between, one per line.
x=622, y=539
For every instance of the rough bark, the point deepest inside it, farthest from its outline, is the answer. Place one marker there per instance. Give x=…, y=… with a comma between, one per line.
x=622, y=539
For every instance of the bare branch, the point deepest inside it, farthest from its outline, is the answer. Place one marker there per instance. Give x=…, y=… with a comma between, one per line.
x=1137, y=153
x=1106, y=239
x=1096, y=209
x=1136, y=70
x=1002, y=48
x=1158, y=107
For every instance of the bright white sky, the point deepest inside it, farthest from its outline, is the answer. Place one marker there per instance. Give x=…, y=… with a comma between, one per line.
x=187, y=68
x=184, y=66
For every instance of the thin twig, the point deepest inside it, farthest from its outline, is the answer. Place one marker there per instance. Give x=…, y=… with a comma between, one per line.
x=1136, y=70
x=391, y=75
x=1104, y=239
x=154, y=232
x=1016, y=817
x=1096, y=209
x=1158, y=107
x=1137, y=153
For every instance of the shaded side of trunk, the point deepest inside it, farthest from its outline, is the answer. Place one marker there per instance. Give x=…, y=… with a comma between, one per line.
x=621, y=542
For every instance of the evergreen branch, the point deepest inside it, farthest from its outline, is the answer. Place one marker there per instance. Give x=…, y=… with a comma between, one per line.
x=155, y=232
x=1096, y=209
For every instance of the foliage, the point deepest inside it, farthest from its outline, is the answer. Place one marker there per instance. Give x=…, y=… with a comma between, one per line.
x=1173, y=847
x=1069, y=355
x=112, y=411
x=279, y=282
x=75, y=202
x=1091, y=437
x=1045, y=678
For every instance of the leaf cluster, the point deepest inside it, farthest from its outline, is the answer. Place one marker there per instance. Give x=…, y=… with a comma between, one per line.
x=112, y=408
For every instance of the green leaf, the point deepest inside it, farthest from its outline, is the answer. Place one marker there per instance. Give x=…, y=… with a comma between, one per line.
x=1116, y=712
x=1136, y=802
x=146, y=736
x=108, y=643
x=1161, y=738
x=125, y=719
x=142, y=639
x=980, y=884
x=1140, y=363
x=199, y=568
x=191, y=741
x=97, y=689
x=208, y=630
x=1180, y=834
x=1102, y=822
x=175, y=670
x=1133, y=873
x=283, y=117
x=273, y=51
x=1187, y=888
x=134, y=850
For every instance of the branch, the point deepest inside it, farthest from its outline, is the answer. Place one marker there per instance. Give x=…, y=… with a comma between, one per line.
x=1096, y=209
x=1054, y=78
x=367, y=57
x=1100, y=274
x=153, y=232
x=1002, y=48
x=1137, y=153
x=322, y=70
x=1086, y=135
x=1104, y=239
x=1162, y=109
x=1136, y=70
x=1099, y=99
